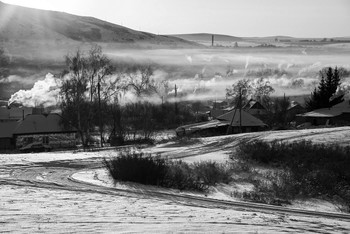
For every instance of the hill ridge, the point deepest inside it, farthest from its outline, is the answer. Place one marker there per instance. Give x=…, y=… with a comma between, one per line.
x=26, y=24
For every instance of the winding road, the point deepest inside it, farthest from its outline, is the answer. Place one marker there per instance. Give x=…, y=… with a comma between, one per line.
x=44, y=197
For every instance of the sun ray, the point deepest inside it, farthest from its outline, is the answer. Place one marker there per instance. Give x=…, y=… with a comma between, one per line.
x=6, y=14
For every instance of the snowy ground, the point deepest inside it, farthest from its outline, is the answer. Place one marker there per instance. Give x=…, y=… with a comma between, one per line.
x=62, y=192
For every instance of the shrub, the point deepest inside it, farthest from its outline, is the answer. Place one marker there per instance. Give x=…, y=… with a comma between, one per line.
x=180, y=175
x=309, y=169
x=137, y=167
x=146, y=169
x=211, y=172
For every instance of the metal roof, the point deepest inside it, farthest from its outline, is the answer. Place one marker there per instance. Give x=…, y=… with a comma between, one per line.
x=35, y=124
x=340, y=108
x=247, y=119
x=7, y=128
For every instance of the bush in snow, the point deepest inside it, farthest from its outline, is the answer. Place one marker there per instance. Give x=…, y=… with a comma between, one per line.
x=154, y=170
x=307, y=169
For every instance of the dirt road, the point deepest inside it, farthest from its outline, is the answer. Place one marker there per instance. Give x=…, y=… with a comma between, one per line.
x=38, y=194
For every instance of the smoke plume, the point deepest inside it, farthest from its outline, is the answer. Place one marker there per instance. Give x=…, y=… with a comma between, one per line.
x=44, y=93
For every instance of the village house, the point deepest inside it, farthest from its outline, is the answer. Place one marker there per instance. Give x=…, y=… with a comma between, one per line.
x=240, y=121
x=44, y=128
x=293, y=110
x=255, y=108
x=338, y=115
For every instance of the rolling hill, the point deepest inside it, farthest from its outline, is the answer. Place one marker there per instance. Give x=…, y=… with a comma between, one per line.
x=207, y=37
x=21, y=24
x=279, y=40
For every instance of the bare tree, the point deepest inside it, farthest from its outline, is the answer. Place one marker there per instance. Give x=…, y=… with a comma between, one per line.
x=73, y=93
x=141, y=81
x=98, y=68
x=85, y=86
x=4, y=64
x=262, y=91
x=240, y=92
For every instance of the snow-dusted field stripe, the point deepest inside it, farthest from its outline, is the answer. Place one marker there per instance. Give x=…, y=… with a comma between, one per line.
x=40, y=193
x=238, y=204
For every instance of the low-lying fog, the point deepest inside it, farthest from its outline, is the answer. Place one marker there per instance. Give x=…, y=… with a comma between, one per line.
x=206, y=73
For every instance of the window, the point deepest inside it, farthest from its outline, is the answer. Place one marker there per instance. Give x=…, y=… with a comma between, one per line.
x=45, y=140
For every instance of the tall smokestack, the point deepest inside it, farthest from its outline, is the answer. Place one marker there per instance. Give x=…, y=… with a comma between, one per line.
x=212, y=40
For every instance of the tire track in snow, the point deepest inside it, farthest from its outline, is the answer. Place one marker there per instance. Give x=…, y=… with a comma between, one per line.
x=60, y=177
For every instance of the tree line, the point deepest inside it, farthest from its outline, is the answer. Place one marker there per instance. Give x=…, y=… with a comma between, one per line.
x=93, y=95
x=327, y=94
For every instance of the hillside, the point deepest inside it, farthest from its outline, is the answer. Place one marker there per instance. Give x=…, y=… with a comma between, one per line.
x=277, y=41
x=32, y=26
x=207, y=37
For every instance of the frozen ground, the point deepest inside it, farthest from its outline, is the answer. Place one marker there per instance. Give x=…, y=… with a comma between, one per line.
x=62, y=192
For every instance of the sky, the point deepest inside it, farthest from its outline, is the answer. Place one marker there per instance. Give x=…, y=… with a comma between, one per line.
x=297, y=18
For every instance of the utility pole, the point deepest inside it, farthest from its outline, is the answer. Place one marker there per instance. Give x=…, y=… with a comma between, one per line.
x=99, y=112
x=229, y=129
x=240, y=110
x=176, y=100
x=212, y=40
x=239, y=105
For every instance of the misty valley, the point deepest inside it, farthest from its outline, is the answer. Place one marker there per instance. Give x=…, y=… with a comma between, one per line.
x=200, y=74
x=109, y=129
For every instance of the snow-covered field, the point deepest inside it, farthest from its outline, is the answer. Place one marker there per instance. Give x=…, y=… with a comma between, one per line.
x=62, y=192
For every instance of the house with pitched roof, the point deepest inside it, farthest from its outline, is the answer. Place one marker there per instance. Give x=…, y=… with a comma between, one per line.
x=255, y=108
x=46, y=128
x=293, y=110
x=242, y=121
x=239, y=120
x=335, y=115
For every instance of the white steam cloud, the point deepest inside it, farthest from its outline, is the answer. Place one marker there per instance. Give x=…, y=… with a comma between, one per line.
x=289, y=73
x=189, y=58
x=247, y=62
x=44, y=93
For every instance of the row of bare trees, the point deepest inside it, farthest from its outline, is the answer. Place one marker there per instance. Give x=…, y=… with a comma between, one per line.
x=94, y=97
